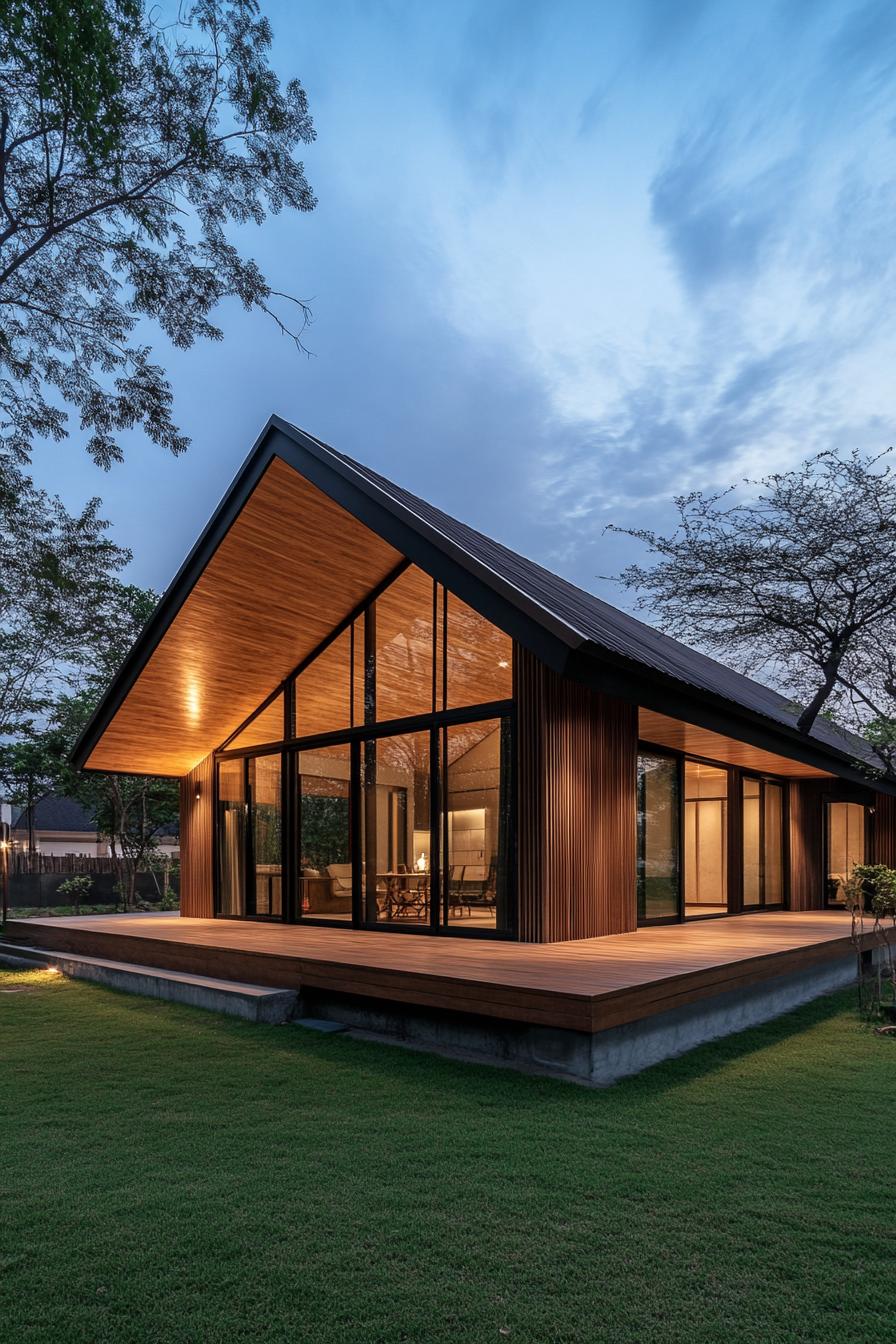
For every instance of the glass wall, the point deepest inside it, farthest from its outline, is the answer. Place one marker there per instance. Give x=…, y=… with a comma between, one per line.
x=409, y=828
x=396, y=848
x=659, y=837
x=323, y=777
x=476, y=824
x=705, y=839
x=231, y=829
x=846, y=834
x=763, y=843
x=266, y=835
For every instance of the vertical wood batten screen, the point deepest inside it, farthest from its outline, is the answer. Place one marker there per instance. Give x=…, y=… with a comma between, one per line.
x=196, y=819
x=885, y=829
x=577, y=754
x=807, y=862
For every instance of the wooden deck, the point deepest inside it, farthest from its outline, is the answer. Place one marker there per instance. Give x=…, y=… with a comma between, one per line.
x=586, y=985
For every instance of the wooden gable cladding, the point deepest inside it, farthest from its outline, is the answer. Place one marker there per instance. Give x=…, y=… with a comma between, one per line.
x=577, y=757
x=196, y=850
x=663, y=731
x=292, y=565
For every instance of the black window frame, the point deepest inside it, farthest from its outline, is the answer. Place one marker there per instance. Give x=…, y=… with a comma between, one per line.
x=436, y=722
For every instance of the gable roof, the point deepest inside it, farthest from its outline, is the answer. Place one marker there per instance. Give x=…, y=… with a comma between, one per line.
x=576, y=633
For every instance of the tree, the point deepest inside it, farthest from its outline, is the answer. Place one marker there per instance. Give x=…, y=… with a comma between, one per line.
x=127, y=146
x=796, y=581
x=57, y=571
x=132, y=811
x=29, y=770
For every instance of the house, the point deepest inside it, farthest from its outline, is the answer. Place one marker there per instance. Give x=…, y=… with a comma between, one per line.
x=385, y=723
x=61, y=826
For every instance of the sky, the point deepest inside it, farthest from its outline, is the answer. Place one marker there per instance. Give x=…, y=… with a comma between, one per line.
x=568, y=262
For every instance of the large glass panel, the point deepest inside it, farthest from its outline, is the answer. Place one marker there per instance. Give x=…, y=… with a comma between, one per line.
x=395, y=806
x=324, y=691
x=266, y=820
x=752, y=843
x=325, y=833
x=404, y=647
x=659, y=822
x=265, y=727
x=773, y=844
x=476, y=824
x=846, y=846
x=705, y=839
x=479, y=658
x=231, y=838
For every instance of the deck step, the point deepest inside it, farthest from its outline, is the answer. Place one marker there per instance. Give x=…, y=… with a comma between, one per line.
x=254, y=1003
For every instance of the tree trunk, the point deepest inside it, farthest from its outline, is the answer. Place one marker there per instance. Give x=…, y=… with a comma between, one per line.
x=817, y=703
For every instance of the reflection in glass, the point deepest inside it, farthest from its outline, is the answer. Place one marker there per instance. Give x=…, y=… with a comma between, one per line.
x=476, y=824
x=705, y=839
x=265, y=727
x=479, y=658
x=395, y=810
x=404, y=647
x=659, y=821
x=266, y=821
x=325, y=860
x=231, y=838
x=846, y=846
x=324, y=691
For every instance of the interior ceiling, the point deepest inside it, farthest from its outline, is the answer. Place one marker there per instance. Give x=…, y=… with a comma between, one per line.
x=662, y=731
x=290, y=568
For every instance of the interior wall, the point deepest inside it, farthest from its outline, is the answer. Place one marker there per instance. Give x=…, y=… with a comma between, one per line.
x=196, y=853
x=577, y=757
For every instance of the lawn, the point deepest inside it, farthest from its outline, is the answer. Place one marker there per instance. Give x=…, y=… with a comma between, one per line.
x=170, y=1175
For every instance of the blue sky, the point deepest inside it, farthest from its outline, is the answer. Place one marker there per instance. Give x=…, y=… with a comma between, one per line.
x=569, y=260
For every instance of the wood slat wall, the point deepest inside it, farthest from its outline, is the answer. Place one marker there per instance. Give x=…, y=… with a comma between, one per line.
x=196, y=818
x=885, y=829
x=806, y=848
x=577, y=757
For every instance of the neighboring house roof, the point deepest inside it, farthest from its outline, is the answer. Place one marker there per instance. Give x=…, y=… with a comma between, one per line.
x=576, y=633
x=55, y=813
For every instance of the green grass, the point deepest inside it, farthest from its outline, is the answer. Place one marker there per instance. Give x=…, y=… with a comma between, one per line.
x=170, y=1175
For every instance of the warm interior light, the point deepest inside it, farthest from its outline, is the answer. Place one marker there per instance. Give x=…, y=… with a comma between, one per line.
x=420, y=863
x=502, y=662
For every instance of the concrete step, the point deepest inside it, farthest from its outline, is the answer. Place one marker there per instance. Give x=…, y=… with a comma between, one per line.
x=254, y=1003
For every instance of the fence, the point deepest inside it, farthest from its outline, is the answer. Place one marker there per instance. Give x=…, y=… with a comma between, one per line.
x=34, y=880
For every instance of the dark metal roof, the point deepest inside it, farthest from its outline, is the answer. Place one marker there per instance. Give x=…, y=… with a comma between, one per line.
x=576, y=633
x=55, y=813
x=613, y=631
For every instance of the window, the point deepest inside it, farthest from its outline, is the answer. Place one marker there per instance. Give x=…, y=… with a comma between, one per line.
x=763, y=843
x=409, y=829
x=478, y=658
x=404, y=647
x=267, y=726
x=396, y=872
x=325, y=833
x=476, y=823
x=846, y=834
x=705, y=839
x=232, y=837
x=266, y=835
x=659, y=823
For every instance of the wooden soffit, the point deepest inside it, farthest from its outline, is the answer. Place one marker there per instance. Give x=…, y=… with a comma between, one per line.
x=290, y=567
x=662, y=731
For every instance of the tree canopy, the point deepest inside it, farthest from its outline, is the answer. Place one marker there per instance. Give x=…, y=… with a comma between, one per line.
x=128, y=145
x=793, y=577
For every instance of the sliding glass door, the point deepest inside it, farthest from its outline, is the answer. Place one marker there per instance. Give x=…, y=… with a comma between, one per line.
x=705, y=839
x=846, y=844
x=659, y=837
x=763, y=843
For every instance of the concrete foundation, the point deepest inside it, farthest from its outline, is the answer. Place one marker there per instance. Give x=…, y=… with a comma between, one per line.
x=254, y=1003
x=599, y=1059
